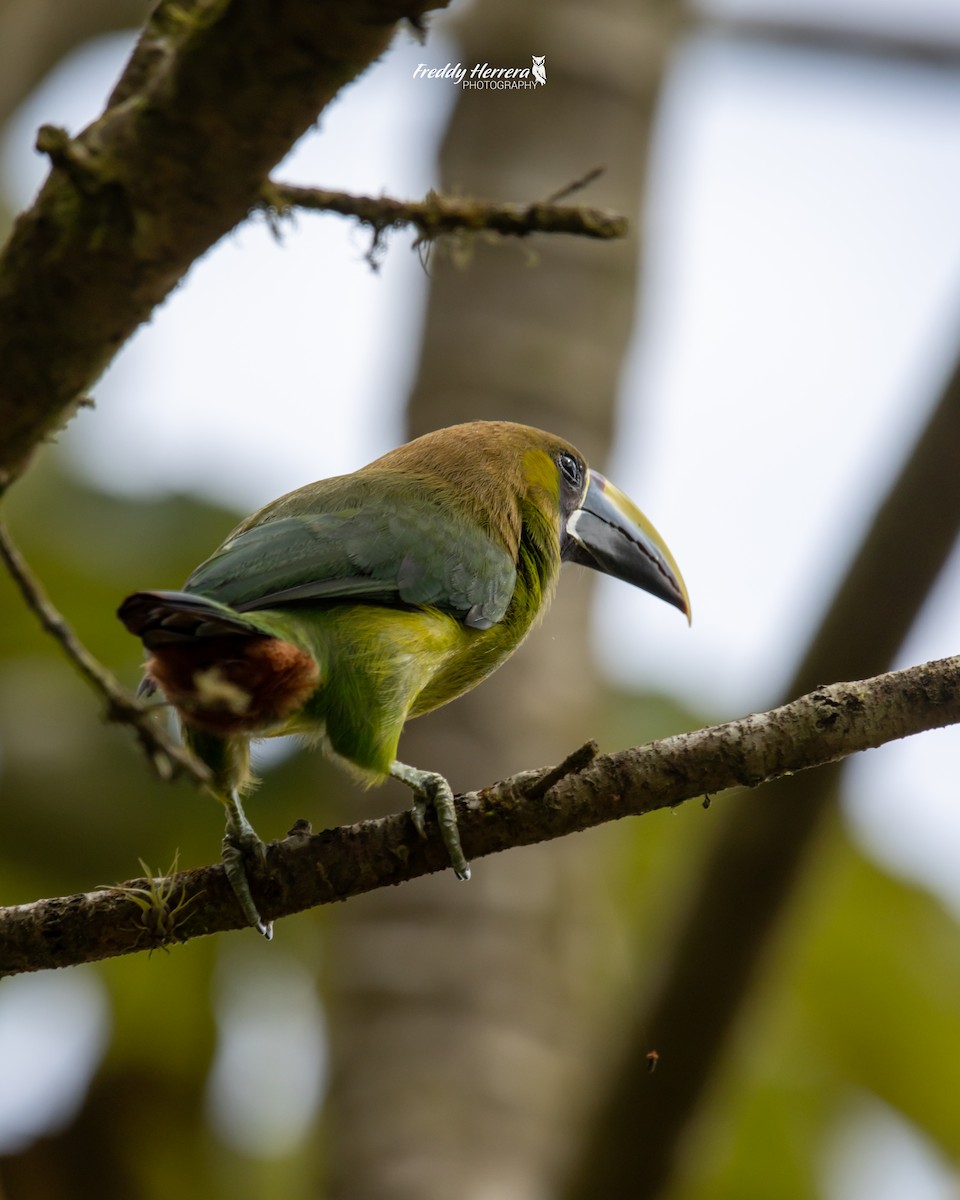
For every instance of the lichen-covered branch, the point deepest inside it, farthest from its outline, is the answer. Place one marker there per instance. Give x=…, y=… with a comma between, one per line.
x=436, y=215
x=215, y=94
x=307, y=869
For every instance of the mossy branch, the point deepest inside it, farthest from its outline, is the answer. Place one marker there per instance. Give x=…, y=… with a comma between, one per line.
x=132, y=201
x=437, y=215
x=305, y=869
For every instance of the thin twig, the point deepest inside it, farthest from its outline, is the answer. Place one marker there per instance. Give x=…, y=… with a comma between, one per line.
x=575, y=762
x=436, y=215
x=165, y=756
x=577, y=185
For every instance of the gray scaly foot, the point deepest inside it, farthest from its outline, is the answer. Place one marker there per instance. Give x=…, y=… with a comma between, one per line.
x=240, y=840
x=431, y=790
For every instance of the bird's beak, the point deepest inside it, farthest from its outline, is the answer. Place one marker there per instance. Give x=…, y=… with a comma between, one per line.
x=609, y=533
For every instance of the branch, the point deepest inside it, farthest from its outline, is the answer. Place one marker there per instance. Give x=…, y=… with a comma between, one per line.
x=436, y=215
x=306, y=870
x=215, y=94
x=167, y=758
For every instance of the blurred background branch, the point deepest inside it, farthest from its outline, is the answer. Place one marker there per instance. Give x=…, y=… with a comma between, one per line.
x=167, y=757
x=760, y=852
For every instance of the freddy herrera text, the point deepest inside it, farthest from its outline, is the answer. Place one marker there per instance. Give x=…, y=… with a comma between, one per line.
x=478, y=73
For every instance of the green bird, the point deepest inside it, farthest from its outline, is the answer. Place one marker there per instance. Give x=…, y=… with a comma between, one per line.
x=349, y=606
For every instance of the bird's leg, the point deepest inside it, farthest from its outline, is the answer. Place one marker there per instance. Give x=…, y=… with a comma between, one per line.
x=431, y=790
x=239, y=840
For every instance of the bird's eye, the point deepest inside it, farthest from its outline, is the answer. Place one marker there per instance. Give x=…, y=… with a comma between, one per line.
x=571, y=469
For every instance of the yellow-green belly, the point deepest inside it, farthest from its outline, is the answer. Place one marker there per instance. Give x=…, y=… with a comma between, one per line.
x=381, y=666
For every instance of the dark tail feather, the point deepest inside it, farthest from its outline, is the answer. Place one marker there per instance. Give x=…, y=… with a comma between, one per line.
x=158, y=618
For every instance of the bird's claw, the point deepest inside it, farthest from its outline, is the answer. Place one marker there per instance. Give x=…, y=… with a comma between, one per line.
x=431, y=790
x=418, y=813
x=237, y=845
x=449, y=831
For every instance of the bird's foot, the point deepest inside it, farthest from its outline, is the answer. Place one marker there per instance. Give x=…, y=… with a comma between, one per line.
x=431, y=790
x=239, y=842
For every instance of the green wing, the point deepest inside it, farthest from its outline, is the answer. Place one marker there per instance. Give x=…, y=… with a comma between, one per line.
x=387, y=549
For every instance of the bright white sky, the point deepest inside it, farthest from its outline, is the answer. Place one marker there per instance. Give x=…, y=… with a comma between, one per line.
x=802, y=294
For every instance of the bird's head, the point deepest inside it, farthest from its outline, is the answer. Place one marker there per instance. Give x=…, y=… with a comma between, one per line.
x=508, y=475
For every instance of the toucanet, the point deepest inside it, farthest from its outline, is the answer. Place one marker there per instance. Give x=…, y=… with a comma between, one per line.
x=349, y=606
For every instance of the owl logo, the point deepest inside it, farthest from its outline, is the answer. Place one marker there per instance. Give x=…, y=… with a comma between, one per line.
x=539, y=70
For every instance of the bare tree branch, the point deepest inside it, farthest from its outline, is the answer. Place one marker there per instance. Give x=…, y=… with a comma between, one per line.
x=306, y=870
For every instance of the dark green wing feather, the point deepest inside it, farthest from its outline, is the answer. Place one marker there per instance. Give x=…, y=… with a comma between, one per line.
x=394, y=550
